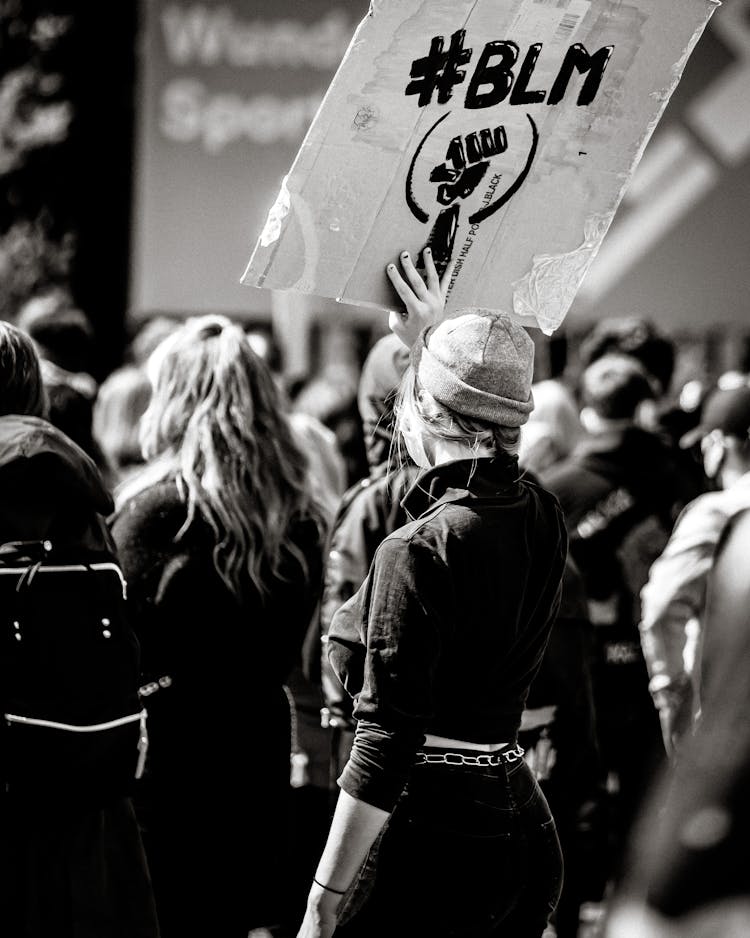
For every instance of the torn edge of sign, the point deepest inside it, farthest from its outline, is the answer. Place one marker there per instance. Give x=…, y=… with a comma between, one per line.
x=275, y=221
x=546, y=292
x=281, y=208
x=271, y=230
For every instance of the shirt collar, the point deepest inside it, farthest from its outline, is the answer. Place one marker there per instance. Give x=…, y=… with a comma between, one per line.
x=459, y=480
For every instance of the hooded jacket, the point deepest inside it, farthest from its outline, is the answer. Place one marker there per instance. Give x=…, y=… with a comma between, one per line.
x=50, y=489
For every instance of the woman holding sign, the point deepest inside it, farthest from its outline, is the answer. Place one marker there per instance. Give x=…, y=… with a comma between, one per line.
x=440, y=827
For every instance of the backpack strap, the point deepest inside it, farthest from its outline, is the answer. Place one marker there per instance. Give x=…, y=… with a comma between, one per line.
x=29, y=555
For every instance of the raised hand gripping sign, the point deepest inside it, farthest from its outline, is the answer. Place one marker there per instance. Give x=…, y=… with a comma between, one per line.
x=501, y=133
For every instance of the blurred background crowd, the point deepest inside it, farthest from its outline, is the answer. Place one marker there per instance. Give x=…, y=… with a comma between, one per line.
x=140, y=148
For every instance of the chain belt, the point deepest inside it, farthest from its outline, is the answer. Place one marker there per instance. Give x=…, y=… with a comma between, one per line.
x=459, y=758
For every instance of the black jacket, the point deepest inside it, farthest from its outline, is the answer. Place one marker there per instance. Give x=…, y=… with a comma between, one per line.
x=448, y=631
x=620, y=493
x=194, y=628
x=214, y=796
x=369, y=512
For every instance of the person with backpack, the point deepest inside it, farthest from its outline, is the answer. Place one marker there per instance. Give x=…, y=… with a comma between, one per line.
x=440, y=827
x=73, y=731
x=221, y=542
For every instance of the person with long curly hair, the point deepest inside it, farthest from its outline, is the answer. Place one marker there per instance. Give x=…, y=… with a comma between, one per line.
x=221, y=543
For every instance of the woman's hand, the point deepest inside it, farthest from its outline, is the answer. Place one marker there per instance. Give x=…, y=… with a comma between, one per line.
x=320, y=914
x=541, y=758
x=424, y=299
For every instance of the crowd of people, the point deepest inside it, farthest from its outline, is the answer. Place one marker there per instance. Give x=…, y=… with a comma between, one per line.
x=507, y=661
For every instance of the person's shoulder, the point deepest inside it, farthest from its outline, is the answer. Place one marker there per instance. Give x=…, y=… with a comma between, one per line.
x=374, y=490
x=415, y=536
x=701, y=522
x=425, y=537
x=150, y=506
x=367, y=489
x=154, y=494
x=543, y=496
x=145, y=528
x=535, y=487
x=727, y=576
x=736, y=534
x=710, y=506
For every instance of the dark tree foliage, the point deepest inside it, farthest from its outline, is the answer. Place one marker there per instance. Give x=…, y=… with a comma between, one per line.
x=66, y=125
x=35, y=118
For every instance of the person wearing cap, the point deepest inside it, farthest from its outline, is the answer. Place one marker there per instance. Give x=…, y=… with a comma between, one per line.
x=640, y=340
x=440, y=827
x=673, y=599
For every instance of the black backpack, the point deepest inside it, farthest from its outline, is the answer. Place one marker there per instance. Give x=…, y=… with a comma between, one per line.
x=72, y=719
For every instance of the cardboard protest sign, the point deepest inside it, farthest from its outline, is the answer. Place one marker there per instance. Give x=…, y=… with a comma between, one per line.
x=502, y=133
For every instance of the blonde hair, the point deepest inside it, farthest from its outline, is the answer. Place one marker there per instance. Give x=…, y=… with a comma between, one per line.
x=417, y=408
x=122, y=400
x=215, y=422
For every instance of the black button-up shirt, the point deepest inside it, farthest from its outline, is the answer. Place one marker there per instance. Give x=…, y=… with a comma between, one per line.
x=449, y=628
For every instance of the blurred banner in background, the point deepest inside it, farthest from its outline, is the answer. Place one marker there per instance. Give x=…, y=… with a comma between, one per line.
x=227, y=92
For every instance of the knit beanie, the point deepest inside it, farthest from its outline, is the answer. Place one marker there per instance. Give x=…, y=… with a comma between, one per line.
x=480, y=364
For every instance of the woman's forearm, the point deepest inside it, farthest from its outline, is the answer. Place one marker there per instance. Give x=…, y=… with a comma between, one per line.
x=354, y=827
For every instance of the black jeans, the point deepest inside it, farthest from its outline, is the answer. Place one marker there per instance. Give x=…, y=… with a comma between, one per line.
x=469, y=851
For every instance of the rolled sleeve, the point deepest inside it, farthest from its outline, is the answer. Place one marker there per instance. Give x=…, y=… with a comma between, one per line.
x=379, y=763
